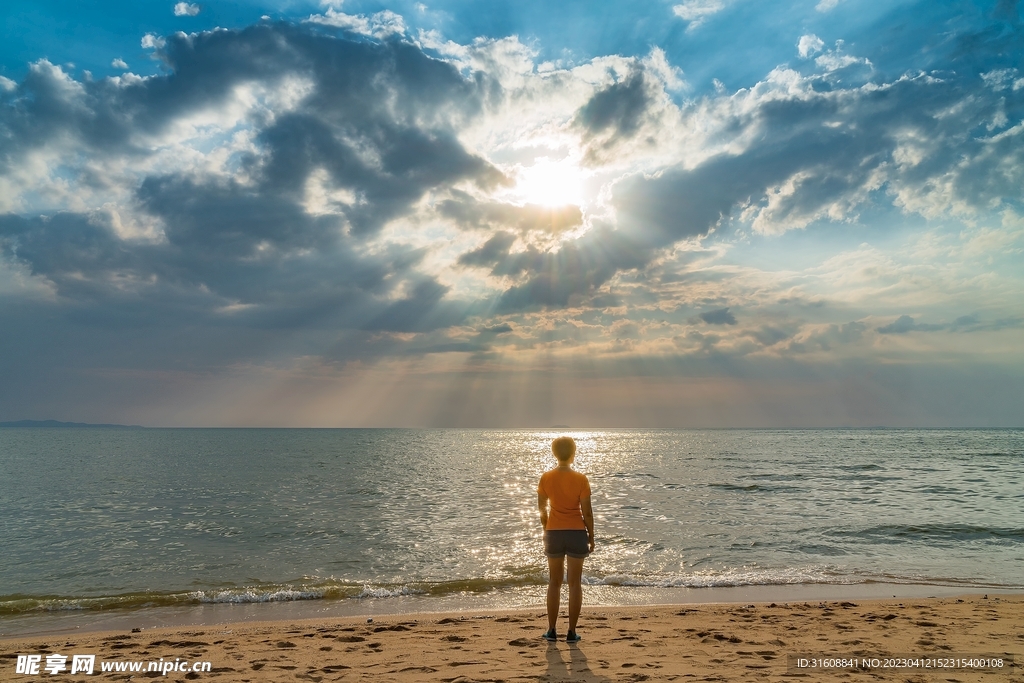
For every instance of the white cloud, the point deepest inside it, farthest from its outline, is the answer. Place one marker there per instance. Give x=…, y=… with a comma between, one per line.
x=826, y=5
x=186, y=9
x=119, y=63
x=7, y=84
x=657, y=63
x=152, y=41
x=697, y=11
x=810, y=44
x=833, y=60
x=379, y=25
x=1008, y=238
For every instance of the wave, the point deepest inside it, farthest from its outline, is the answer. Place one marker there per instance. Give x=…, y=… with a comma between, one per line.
x=530, y=577
x=900, y=533
x=751, y=488
x=261, y=593
x=743, y=576
x=737, y=487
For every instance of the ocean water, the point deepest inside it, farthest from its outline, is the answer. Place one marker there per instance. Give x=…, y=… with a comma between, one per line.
x=99, y=519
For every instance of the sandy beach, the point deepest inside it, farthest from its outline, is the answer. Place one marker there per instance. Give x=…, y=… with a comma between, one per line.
x=721, y=642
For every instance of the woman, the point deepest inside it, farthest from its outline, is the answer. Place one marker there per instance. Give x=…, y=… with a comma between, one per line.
x=568, y=531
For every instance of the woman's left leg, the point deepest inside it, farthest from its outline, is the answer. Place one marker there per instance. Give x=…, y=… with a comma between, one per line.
x=556, y=568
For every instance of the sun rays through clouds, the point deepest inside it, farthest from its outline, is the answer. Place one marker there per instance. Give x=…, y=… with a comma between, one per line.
x=346, y=217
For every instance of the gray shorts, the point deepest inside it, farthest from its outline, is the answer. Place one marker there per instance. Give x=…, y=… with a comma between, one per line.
x=561, y=542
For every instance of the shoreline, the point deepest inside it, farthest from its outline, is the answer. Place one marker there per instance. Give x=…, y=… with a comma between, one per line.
x=707, y=641
x=44, y=624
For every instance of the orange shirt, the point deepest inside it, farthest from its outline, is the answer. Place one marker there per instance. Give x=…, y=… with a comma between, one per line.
x=564, y=489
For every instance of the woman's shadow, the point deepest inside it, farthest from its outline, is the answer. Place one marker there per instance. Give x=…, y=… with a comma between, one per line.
x=569, y=663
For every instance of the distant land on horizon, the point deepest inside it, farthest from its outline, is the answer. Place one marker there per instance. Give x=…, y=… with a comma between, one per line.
x=58, y=423
x=88, y=425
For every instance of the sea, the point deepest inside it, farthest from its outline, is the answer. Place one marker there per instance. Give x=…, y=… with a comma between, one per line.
x=129, y=521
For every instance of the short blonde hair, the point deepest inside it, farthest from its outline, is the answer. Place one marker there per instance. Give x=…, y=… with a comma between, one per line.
x=563, y=448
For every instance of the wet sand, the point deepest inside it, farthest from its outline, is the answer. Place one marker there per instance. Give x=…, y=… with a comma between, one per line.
x=696, y=642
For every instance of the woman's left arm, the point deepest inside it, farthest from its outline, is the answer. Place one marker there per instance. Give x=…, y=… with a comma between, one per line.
x=542, y=505
x=588, y=519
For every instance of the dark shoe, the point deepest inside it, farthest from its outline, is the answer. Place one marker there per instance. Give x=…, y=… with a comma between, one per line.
x=550, y=635
x=572, y=637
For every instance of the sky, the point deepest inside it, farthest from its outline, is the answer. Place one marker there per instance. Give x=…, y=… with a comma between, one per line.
x=695, y=214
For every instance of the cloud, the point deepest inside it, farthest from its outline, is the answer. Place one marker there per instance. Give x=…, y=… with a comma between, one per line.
x=697, y=11
x=491, y=252
x=379, y=25
x=827, y=337
x=965, y=320
x=974, y=323
x=904, y=324
x=657, y=63
x=834, y=60
x=151, y=41
x=119, y=63
x=719, y=316
x=338, y=191
x=568, y=276
x=374, y=139
x=185, y=9
x=809, y=45
x=614, y=115
x=470, y=213
x=375, y=125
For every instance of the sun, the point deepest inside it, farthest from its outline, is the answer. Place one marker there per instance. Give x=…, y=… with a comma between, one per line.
x=550, y=183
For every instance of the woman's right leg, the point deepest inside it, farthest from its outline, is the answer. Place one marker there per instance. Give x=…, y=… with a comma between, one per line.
x=556, y=567
x=575, y=590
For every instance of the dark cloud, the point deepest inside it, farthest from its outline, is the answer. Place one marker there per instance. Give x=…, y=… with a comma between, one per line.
x=571, y=274
x=679, y=203
x=378, y=118
x=719, y=316
x=492, y=252
x=904, y=324
x=768, y=335
x=422, y=310
x=360, y=86
x=406, y=163
x=973, y=323
x=217, y=276
x=615, y=115
x=619, y=109
x=965, y=321
x=223, y=220
x=70, y=250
